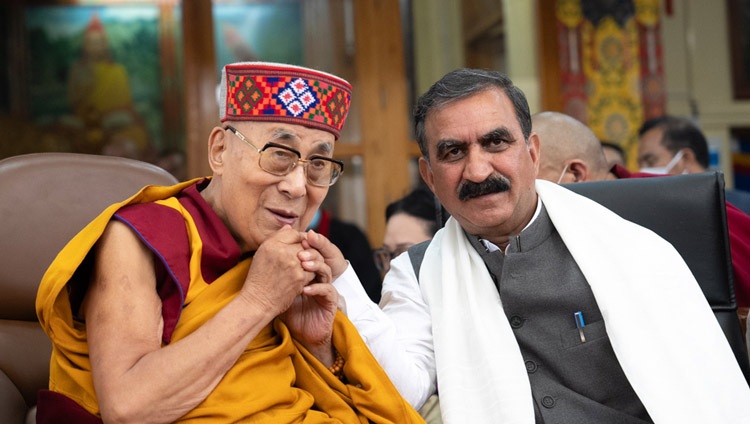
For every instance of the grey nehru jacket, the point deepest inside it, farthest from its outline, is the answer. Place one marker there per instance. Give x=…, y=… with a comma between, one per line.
x=541, y=287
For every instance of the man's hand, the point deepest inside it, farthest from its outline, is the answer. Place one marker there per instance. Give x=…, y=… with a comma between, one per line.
x=276, y=275
x=310, y=317
x=331, y=254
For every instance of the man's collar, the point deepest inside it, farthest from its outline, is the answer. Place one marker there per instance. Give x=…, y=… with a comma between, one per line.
x=491, y=247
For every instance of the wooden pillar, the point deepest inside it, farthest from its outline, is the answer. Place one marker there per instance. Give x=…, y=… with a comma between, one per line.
x=18, y=58
x=548, y=56
x=200, y=81
x=170, y=84
x=382, y=89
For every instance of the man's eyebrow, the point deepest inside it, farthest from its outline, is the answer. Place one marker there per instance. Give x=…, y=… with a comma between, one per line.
x=448, y=144
x=282, y=134
x=501, y=133
x=323, y=148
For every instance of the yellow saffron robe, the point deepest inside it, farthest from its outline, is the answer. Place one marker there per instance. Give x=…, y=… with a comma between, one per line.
x=275, y=380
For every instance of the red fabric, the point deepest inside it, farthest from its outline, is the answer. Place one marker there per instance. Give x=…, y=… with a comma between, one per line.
x=53, y=407
x=324, y=226
x=269, y=92
x=739, y=242
x=738, y=224
x=653, y=96
x=163, y=231
x=572, y=78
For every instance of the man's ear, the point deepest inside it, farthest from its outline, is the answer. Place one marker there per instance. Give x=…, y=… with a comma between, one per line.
x=535, y=150
x=217, y=150
x=688, y=156
x=579, y=170
x=690, y=162
x=426, y=172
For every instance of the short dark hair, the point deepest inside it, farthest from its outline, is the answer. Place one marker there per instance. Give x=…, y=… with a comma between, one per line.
x=420, y=203
x=615, y=146
x=679, y=133
x=462, y=83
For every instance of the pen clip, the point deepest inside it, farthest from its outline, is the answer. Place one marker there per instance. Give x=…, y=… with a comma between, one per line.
x=580, y=323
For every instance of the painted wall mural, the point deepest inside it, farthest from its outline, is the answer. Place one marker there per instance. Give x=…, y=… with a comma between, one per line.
x=612, y=73
x=95, y=77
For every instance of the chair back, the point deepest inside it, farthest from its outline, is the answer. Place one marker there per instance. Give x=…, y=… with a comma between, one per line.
x=689, y=211
x=45, y=199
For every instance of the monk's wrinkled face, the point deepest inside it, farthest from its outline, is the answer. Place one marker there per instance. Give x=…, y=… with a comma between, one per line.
x=480, y=166
x=256, y=203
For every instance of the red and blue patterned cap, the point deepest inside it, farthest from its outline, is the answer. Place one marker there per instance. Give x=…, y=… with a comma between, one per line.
x=275, y=92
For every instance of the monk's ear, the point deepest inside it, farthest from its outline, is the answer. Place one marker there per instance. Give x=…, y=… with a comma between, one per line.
x=579, y=170
x=217, y=150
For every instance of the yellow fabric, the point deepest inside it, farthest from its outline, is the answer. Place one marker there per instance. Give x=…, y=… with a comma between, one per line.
x=111, y=89
x=101, y=97
x=294, y=386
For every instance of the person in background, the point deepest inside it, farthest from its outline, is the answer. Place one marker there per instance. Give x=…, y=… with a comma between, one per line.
x=409, y=220
x=354, y=245
x=568, y=143
x=207, y=301
x=520, y=311
x=614, y=153
x=674, y=145
x=570, y=151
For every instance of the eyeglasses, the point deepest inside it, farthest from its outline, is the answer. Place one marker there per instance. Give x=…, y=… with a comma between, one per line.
x=383, y=256
x=280, y=160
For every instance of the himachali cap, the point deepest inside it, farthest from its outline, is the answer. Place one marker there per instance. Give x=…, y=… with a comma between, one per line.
x=275, y=92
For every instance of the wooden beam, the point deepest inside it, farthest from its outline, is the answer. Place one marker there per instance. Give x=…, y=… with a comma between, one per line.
x=549, y=56
x=488, y=26
x=200, y=81
x=381, y=88
x=347, y=150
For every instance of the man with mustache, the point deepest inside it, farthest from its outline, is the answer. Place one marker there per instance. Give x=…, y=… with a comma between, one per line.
x=534, y=304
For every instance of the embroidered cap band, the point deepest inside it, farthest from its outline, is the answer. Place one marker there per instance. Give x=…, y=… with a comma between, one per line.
x=274, y=92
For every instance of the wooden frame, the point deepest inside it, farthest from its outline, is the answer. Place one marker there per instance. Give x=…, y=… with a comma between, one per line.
x=739, y=42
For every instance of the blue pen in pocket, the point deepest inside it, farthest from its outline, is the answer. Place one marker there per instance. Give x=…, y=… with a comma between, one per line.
x=578, y=316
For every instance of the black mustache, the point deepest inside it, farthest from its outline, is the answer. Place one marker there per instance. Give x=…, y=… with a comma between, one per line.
x=469, y=190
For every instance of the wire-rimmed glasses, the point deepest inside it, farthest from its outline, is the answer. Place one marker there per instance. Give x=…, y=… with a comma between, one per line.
x=280, y=160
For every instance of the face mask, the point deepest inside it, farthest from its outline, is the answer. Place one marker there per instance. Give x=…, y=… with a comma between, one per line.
x=563, y=173
x=661, y=170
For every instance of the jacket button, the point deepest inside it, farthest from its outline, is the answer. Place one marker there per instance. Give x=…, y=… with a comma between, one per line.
x=548, y=402
x=531, y=367
x=516, y=321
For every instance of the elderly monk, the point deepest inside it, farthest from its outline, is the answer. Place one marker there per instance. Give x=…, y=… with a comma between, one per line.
x=207, y=301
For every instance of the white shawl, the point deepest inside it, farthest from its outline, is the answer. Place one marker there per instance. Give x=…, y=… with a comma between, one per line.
x=661, y=327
